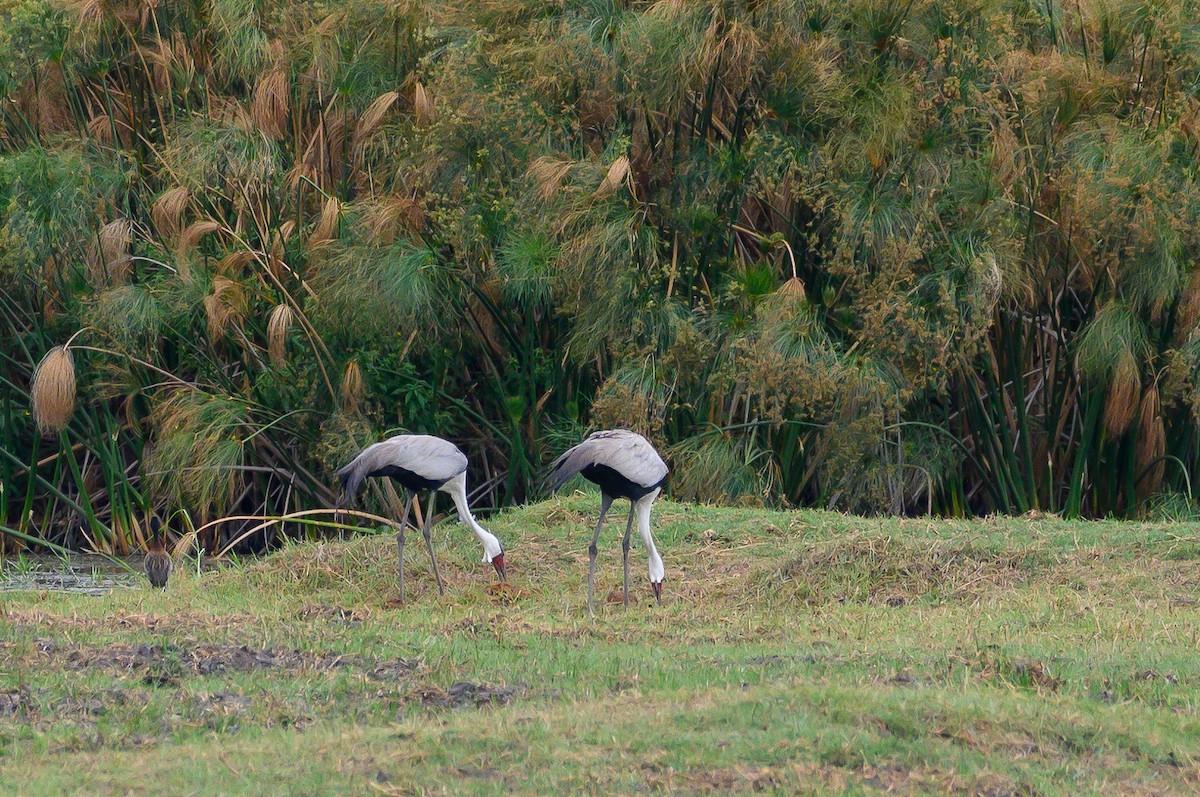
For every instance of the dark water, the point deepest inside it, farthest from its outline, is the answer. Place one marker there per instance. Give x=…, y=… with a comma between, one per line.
x=85, y=575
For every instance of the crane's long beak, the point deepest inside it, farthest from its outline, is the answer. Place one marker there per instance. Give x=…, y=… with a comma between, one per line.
x=657, y=585
x=498, y=563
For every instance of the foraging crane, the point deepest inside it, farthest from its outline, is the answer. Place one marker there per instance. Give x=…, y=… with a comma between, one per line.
x=624, y=465
x=421, y=462
x=158, y=562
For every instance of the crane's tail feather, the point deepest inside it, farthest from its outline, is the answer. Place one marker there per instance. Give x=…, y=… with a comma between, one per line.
x=563, y=469
x=351, y=477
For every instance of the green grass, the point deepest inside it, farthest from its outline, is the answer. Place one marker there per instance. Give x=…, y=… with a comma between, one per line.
x=793, y=652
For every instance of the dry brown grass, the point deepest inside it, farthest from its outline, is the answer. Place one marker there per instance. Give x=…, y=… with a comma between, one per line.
x=188, y=241
x=894, y=571
x=424, y=112
x=548, y=173
x=351, y=392
x=326, y=228
x=53, y=391
x=167, y=211
x=223, y=305
x=278, y=325
x=618, y=174
x=108, y=257
x=371, y=118
x=1124, y=394
x=386, y=217
x=271, y=105
x=1151, y=444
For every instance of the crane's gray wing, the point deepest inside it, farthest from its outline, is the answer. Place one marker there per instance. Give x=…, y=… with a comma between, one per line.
x=628, y=453
x=425, y=455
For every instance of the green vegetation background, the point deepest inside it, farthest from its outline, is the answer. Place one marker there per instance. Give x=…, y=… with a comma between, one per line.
x=870, y=255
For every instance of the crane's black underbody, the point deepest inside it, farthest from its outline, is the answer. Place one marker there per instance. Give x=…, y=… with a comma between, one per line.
x=613, y=483
x=408, y=480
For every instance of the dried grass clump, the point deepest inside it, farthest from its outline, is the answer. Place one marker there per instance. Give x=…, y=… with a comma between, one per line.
x=385, y=217
x=548, y=173
x=1151, y=443
x=99, y=127
x=221, y=306
x=167, y=211
x=1124, y=392
x=270, y=106
x=53, y=391
x=278, y=325
x=108, y=257
x=1189, y=307
x=352, y=387
x=189, y=239
x=326, y=229
x=369, y=122
x=234, y=263
x=424, y=112
x=618, y=173
x=792, y=289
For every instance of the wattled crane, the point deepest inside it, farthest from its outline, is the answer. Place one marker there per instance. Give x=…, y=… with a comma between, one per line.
x=421, y=462
x=624, y=465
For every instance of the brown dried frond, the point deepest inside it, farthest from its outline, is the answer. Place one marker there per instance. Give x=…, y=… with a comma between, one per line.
x=369, y=122
x=549, y=173
x=1124, y=392
x=489, y=331
x=90, y=12
x=167, y=211
x=53, y=391
x=221, y=306
x=192, y=235
x=352, y=387
x=423, y=111
x=161, y=57
x=100, y=128
x=326, y=228
x=324, y=156
x=618, y=173
x=391, y=213
x=793, y=288
x=234, y=263
x=53, y=104
x=271, y=104
x=1151, y=443
x=1189, y=307
x=277, y=328
x=1004, y=154
x=108, y=257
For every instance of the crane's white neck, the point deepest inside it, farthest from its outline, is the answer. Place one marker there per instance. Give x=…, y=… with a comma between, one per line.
x=457, y=487
x=642, y=508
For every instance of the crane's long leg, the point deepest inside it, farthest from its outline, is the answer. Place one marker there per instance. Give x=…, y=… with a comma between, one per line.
x=605, y=503
x=625, y=552
x=427, y=530
x=400, y=540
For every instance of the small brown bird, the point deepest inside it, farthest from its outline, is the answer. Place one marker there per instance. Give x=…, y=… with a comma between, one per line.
x=158, y=562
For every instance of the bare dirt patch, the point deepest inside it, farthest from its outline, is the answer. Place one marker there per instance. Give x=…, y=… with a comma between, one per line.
x=465, y=693
x=163, y=665
x=732, y=780
x=16, y=701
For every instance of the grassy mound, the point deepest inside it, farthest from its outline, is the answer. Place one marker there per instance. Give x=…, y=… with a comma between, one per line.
x=792, y=652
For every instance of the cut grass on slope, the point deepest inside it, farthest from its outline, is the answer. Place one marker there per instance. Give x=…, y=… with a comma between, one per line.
x=793, y=651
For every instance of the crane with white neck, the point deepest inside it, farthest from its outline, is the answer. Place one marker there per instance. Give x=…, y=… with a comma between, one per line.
x=624, y=465
x=421, y=462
